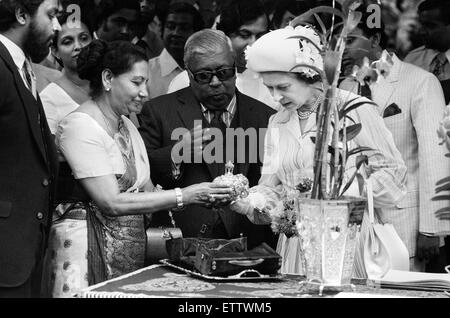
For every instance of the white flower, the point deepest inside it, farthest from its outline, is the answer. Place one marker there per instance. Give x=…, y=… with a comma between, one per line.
x=309, y=33
x=247, y=52
x=308, y=53
x=384, y=64
x=444, y=129
x=366, y=74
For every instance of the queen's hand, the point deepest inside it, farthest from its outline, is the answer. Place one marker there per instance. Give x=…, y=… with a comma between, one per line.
x=253, y=207
x=241, y=206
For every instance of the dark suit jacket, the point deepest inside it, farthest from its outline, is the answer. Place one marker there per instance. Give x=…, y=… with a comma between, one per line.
x=446, y=88
x=28, y=167
x=159, y=118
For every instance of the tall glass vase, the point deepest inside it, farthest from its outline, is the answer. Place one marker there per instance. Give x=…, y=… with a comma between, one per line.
x=329, y=232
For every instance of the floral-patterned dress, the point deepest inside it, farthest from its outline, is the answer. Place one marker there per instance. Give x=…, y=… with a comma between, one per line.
x=85, y=245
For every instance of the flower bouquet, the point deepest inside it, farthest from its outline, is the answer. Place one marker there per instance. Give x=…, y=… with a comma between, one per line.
x=284, y=215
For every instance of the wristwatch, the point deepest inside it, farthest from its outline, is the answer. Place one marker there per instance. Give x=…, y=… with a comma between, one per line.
x=179, y=197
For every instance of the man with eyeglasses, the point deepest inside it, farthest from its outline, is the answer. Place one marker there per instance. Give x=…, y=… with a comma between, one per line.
x=182, y=20
x=198, y=121
x=244, y=21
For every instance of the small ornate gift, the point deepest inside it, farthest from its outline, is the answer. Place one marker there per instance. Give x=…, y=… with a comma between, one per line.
x=239, y=183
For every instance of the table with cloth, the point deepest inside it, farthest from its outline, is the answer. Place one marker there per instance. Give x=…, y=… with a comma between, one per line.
x=158, y=281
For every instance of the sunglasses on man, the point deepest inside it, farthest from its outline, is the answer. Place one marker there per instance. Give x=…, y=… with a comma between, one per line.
x=205, y=77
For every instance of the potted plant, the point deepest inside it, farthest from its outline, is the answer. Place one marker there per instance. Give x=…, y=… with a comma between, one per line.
x=328, y=223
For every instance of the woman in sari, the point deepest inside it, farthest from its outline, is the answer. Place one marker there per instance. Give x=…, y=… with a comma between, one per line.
x=112, y=190
x=289, y=149
x=68, y=92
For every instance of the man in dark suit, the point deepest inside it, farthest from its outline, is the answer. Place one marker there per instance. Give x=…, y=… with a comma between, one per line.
x=28, y=160
x=212, y=101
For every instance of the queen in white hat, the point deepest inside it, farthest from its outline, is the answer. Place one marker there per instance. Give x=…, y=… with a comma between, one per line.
x=290, y=67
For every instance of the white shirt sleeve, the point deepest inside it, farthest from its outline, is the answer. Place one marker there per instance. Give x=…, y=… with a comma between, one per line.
x=88, y=149
x=50, y=109
x=179, y=82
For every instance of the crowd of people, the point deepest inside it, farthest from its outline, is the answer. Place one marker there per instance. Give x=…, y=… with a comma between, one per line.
x=114, y=112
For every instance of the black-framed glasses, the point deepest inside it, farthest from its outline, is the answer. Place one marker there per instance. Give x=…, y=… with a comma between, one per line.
x=205, y=77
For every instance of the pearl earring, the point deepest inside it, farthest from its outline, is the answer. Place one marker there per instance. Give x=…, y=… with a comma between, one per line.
x=108, y=89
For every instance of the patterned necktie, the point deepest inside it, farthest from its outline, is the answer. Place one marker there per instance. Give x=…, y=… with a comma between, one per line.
x=29, y=77
x=438, y=66
x=217, y=121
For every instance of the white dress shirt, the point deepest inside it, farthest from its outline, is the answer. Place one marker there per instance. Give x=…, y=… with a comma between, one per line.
x=17, y=55
x=162, y=70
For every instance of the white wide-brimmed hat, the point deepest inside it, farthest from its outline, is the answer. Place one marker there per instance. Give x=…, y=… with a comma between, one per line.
x=279, y=50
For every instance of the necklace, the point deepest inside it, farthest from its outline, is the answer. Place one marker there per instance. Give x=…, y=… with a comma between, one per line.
x=305, y=114
x=111, y=131
x=121, y=137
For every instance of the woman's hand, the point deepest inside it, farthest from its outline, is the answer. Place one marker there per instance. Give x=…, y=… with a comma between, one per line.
x=206, y=194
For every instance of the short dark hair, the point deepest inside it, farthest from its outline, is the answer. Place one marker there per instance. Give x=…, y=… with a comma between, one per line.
x=108, y=7
x=187, y=8
x=88, y=12
x=293, y=6
x=442, y=5
x=117, y=56
x=8, y=11
x=239, y=13
x=62, y=19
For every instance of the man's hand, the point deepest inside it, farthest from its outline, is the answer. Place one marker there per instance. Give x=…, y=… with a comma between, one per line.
x=194, y=141
x=427, y=247
x=206, y=194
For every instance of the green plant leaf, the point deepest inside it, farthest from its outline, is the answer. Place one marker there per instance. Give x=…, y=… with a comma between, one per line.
x=352, y=21
x=352, y=131
x=336, y=27
x=359, y=162
x=321, y=9
x=442, y=181
x=321, y=24
x=330, y=148
x=358, y=150
x=301, y=37
x=331, y=63
x=347, y=3
x=443, y=210
x=319, y=71
x=444, y=187
x=345, y=110
x=441, y=198
x=358, y=36
x=351, y=119
x=348, y=102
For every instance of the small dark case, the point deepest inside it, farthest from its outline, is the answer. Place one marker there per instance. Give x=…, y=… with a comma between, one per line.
x=214, y=259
